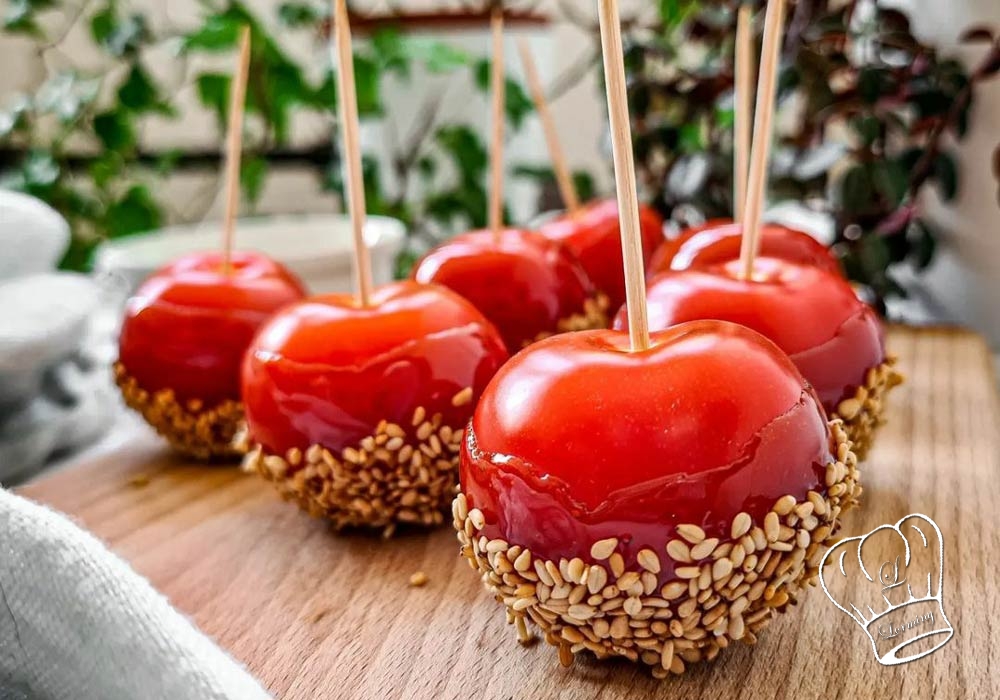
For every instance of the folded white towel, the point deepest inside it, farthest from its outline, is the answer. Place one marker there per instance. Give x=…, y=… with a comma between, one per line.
x=77, y=623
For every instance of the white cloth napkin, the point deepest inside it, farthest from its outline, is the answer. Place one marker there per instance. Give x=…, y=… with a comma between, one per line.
x=77, y=623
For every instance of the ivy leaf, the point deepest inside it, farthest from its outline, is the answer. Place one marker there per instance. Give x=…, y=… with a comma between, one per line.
x=218, y=32
x=13, y=118
x=391, y=51
x=253, y=175
x=466, y=150
x=20, y=16
x=586, y=188
x=297, y=15
x=115, y=131
x=691, y=138
x=135, y=212
x=107, y=167
x=40, y=171
x=725, y=118
x=140, y=94
x=119, y=37
x=517, y=104
x=65, y=95
x=427, y=168
x=213, y=91
x=367, y=81
x=438, y=56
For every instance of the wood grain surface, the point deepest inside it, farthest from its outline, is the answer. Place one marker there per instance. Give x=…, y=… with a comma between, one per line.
x=316, y=615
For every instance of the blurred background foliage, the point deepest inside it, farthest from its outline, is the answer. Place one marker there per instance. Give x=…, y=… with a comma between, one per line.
x=868, y=111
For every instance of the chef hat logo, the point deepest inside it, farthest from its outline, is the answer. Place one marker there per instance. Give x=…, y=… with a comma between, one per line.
x=889, y=582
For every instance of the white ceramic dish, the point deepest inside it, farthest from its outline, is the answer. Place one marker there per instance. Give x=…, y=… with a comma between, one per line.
x=318, y=248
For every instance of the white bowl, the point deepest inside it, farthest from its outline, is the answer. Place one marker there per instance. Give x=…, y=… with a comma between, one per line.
x=318, y=248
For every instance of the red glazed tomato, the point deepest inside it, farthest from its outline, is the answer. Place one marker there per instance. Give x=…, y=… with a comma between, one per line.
x=577, y=439
x=326, y=371
x=594, y=235
x=525, y=285
x=814, y=316
x=719, y=241
x=187, y=326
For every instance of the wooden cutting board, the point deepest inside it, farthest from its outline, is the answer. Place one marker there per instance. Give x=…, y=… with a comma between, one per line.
x=316, y=615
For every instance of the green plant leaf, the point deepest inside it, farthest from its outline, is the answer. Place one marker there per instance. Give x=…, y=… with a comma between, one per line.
x=219, y=32
x=855, y=189
x=253, y=175
x=115, y=131
x=890, y=180
x=20, y=16
x=40, y=170
x=213, y=91
x=391, y=52
x=438, y=56
x=924, y=244
x=105, y=169
x=867, y=127
x=586, y=188
x=691, y=138
x=134, y=212
x=367, y=81
x=66, y=95
x=140, y=94
x=298, y=15
x=946, y=175
x=119, y=37
x=517, y=104
x=426, y=167
x=466, y=150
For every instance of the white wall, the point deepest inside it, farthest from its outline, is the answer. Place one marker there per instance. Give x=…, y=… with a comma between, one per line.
x=965, y=281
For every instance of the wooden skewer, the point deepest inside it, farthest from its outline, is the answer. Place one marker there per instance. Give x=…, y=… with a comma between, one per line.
x=353, y=177
x=628, y=199
x=757, y=182
x=564, y=177
x=234, y=149
x=496, y=150
x=743, y=103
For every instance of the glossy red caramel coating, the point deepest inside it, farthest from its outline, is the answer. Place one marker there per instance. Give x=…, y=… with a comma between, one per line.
x=577, y=439
x=594, y=236
x=524, y=286
x=719, y=240
x=326, y=371
x=187, y=326
x=812, y=315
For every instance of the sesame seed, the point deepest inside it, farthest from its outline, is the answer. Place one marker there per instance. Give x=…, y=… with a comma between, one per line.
x=771, y=526
x=462, y=398
x=418, y=579
x=687, y=572
x=784, y=505
x=703, y=548
x=730, y=596
x=679, y=551
x=602, y=549
x=692, y=533
x=648, y=560
x=477, y=518
x=418, y=416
